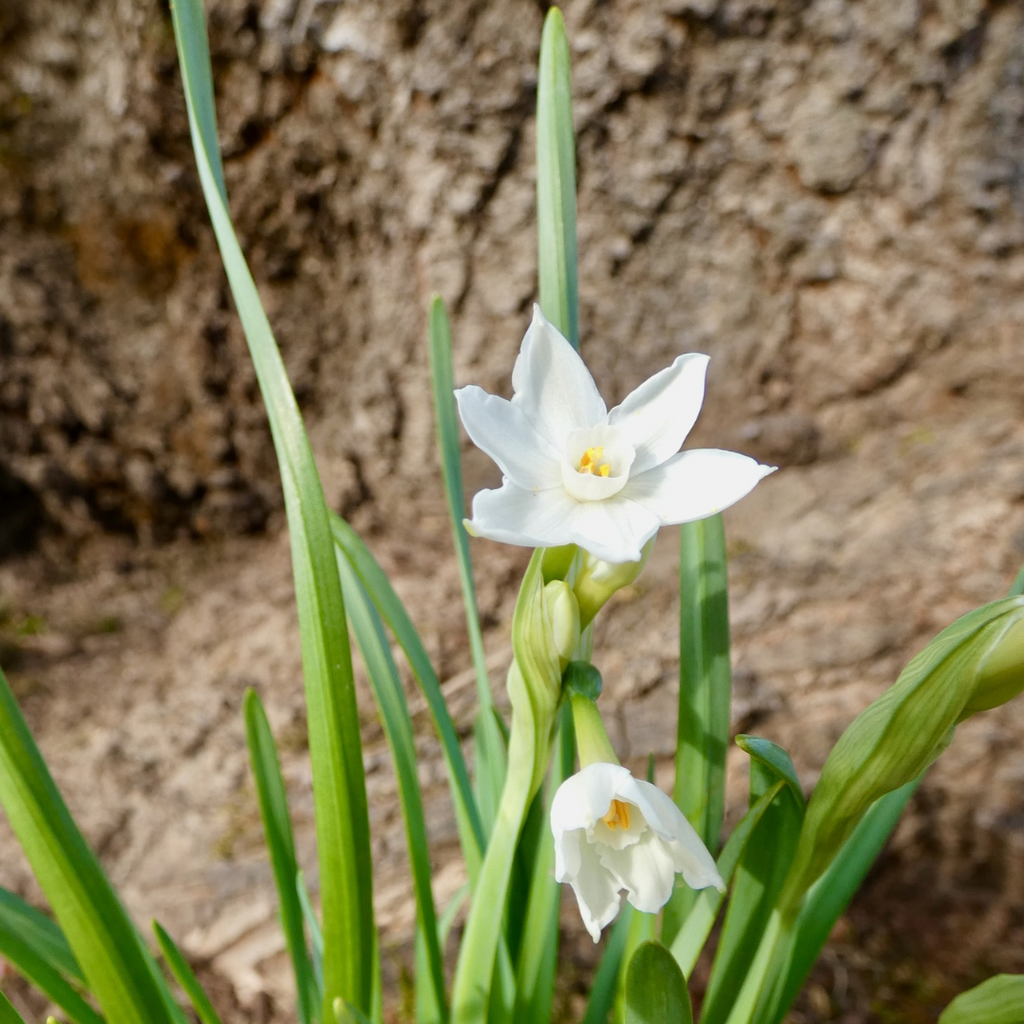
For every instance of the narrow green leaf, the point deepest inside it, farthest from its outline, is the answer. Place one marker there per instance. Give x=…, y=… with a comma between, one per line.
x=277, y=827
x=38, y=932
x=184, y=976
x=8, y=1014
x=393, y=612
x=690, y=938
x=339, y=785
x=656, y=990
x=316, y=936
x=21, y=950
x=1000, y=1000
x=606, y=981
x=705, y=683
x=557, y=261
x=538, y=958
x=829, y=897
x=490, y=767
x=759, y=876
x=113, y=959
x=394, y=714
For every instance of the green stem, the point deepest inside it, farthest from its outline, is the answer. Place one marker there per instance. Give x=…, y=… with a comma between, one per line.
x=775, y=934
x=591, y=737
x=483, y=928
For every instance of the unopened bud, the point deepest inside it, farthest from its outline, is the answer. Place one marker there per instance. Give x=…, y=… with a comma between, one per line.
x=1000, y=675
x=564, y=616
x=598, y=580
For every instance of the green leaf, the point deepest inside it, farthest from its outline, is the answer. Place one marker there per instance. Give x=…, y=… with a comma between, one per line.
x=339, y=785
x=32, y=960
x=277, y=827
x=762, y=869
x=535, y=976
x=490, y=750
x=184, y=977
x=705, y=682
x=8, y=1014
x=316, y=936
x=394, y=714
x=690, y=938
x=113, y=959
x=656, y=990
x=556, y=182
x=392, y=611
x=828, y=898
x=38, y=932
x=642, y=928
x=1000, y=1000
x=606, y=980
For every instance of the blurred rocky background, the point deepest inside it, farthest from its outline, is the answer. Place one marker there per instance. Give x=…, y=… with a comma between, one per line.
x=825, y=195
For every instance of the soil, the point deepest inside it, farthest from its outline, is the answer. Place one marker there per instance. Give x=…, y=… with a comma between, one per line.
x=827, y=197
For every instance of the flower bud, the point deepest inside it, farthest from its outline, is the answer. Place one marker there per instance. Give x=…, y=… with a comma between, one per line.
x=972, y=665
x=564, y=616
x=1000, y=675
x=598, y=580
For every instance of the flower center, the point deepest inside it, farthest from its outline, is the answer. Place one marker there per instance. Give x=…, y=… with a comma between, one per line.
x=617, y=816
x=590, y=462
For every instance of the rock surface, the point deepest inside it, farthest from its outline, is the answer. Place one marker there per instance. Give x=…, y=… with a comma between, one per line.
x=827, y=196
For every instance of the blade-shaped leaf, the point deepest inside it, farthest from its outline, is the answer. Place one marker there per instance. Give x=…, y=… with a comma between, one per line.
x=38, y=932
x=394, y=714
x=556, y=182
x=185, y=978
x=828, y=898
x=339, y=785
x=116, y=964
x=8, y=1014
x=690, y=939
x=393, y=612
x=705, y=681
x=277, y=828
x=490, y=764
x=606, y=981
x=1000, y=1000
x=656, y=990
x=20, y=949
x=535, y=975
x=759, y=876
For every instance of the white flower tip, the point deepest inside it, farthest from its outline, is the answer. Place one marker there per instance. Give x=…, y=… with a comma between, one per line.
x=467, y=525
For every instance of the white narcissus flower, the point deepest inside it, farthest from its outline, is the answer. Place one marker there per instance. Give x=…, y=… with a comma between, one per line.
x=575, y=473
x=614, y=832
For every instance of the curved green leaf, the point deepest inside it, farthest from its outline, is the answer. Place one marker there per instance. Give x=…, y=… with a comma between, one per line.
x=656, y=990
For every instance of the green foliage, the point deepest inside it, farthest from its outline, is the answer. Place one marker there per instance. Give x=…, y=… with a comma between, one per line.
x=557, y=259
x=705, y=686
x=185, y=978
x=339, y=786
x=277, y=831
x=1000, y=1000
x=656, y=990
x=114, y=961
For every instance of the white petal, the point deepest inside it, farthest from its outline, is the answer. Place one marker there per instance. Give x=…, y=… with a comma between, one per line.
x=646, y=869
x=658, y=415
x=584, y=798
x=596, y=889
x=552, y=386
x=684, y=846
x=615, y=453
x=533, y=519
x=615, y=529
x=695, y=484
x=501, y=430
